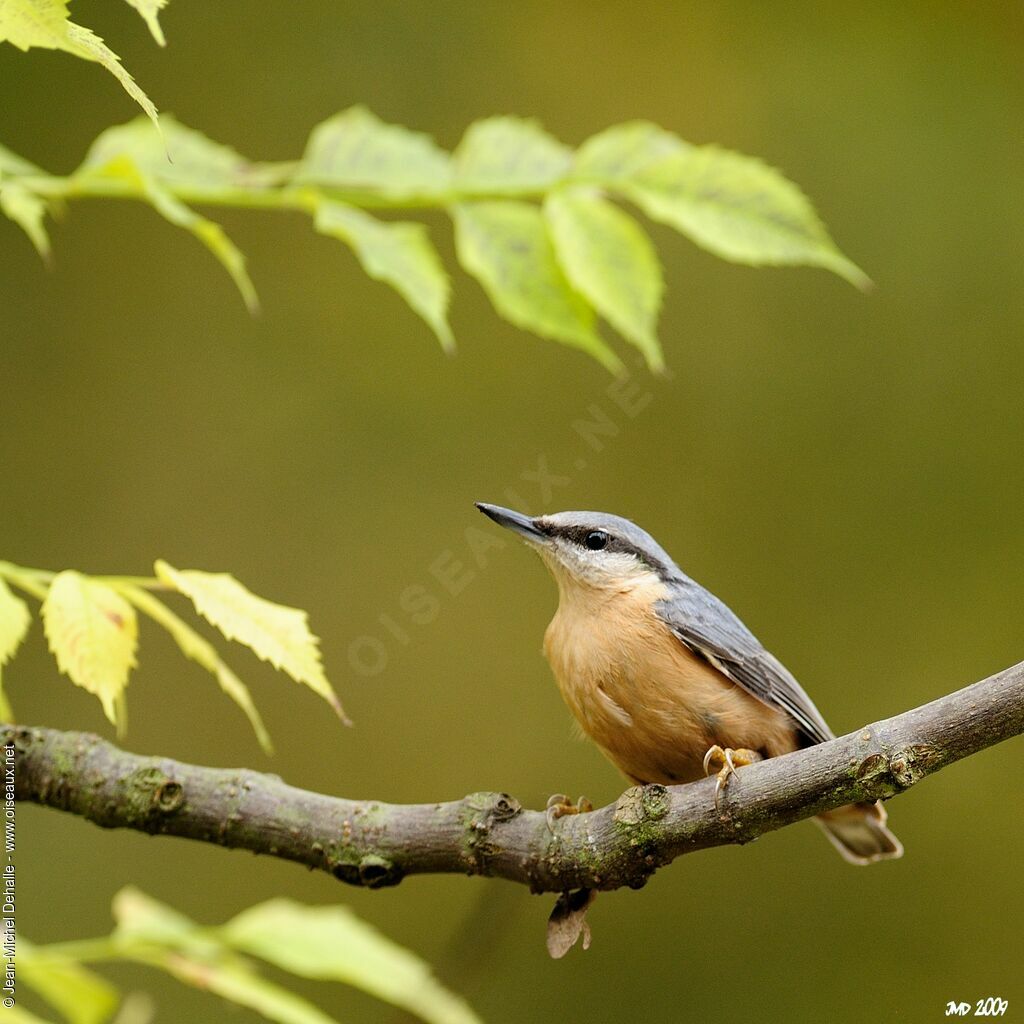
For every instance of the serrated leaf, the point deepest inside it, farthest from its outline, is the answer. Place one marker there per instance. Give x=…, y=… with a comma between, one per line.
x=333, y=944
x=622, y=151
x=150, y=10
x=610, y=260
x=276, y=633
x=93, y=633
x=400, y=254
x=89, y=45
x=195, y=159
x=509, y=154
x=505, y=246
x=738, y=208
x=28, y=23
x=171, y=208
x=15, y=619
x=44, y=23
x=355, y=149
x=28, y=211
x=201, y=651
x=80, y=996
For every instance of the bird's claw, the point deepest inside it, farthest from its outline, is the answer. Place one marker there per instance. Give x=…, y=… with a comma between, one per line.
x=559, y=805
x=730, y=760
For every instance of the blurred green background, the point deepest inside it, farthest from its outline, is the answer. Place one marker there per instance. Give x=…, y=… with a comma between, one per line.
x=844, y=470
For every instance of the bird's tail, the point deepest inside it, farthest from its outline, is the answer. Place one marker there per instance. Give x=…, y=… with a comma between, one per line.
x=858, y=832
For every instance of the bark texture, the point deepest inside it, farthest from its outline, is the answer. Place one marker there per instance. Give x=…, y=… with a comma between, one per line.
x=377, y=844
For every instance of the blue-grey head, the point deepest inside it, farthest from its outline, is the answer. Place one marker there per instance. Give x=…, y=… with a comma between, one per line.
x=592, y=549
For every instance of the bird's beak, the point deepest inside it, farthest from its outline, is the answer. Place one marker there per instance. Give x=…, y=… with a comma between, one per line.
x=516, y=521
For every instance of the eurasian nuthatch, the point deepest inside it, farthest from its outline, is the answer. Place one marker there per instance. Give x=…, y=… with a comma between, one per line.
x=663, y=677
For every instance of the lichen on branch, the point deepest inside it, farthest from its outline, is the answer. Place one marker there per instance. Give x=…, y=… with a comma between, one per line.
x=376, y=844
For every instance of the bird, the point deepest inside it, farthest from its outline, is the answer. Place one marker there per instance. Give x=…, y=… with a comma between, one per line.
x=664, y=677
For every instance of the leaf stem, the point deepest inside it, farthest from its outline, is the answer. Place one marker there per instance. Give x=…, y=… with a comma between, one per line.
x=28, y=580
x=304, y=198
x=36, y=581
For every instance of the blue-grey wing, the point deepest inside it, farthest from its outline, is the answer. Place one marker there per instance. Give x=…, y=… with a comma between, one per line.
x=711, y=629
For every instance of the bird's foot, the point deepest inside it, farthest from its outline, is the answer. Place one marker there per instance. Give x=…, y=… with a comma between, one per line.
x=560, y=805
x=729, y=760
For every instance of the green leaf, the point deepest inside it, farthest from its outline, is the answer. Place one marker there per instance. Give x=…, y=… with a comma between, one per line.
x=11, y=163
x=153, y=933
x=738, y=208
x=624, y=150
x=238, y=983
x=509, y=154
x=44, y=23
x=28, y=211
x=150, y=10
x=18, y=1015
x=93, y=633
x=28, y=23
x=208, y=232
x=200, y=650
x=355, y=149
x=276, y=633
x=195, y=160
x=15, y=618
x=80, y=996
x=139, y=917
x=333, y=944
x=610, y=260
x=505, y=246
x=399, y=254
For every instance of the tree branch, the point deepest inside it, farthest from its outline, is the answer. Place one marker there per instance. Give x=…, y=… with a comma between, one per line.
x=376, y=844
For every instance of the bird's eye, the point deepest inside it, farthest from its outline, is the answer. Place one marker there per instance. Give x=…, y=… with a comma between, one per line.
x=596, y=539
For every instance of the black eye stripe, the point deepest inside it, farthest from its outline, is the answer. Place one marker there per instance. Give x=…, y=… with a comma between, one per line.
x=618, y=543
x=578, y=535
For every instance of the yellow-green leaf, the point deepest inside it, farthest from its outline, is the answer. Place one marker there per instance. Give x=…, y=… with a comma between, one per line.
x=171, y=208
x=195, y=160
x=150, y=10
x=333, y=944
x=93, y=633
x=505, y=246
x=15, y=618
x=200, y=650
x=152, y=933
x=28, y=23
x=19, y=1015
x=236, y=982
x=276, y=633
x=139, y=916
x=610, y=260
x=508, y=154
x=11, y=163
x=355, y=149
x=624, y=150
x=738, y=208
x=44, y=23
x=400, y=254
x=28, y=211
x=80, y=996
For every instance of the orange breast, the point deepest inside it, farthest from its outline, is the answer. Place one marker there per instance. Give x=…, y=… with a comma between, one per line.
x=649, y=703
